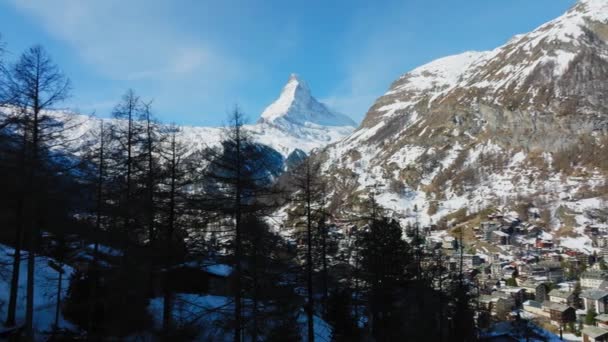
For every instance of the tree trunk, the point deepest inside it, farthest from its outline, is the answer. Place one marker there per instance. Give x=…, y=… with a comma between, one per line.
x=150, y=179
x=237, y=253
x=95, y=269
x=324, y=265
x=310, y=303
x=58, y=299
x=33, y=229
x=254, y=310
x=168, y=295
x=12, y=303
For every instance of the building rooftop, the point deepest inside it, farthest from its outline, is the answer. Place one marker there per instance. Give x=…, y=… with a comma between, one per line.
x=560, y=293
x=510, y=289
x=594, y=294
x=594, y=332
x=555, y=306
x=533, y=304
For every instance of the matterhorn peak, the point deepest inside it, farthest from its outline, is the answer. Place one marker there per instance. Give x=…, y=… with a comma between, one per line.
x=293, y=77
x=296, y=105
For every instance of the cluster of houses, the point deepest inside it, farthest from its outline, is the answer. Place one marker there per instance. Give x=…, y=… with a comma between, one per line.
x=561, y=304
x=211, y=276
x=532, y=277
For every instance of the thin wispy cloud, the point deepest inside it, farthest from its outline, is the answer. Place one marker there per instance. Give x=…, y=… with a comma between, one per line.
x=123, y=40
x=137, y=43
x=198, y=58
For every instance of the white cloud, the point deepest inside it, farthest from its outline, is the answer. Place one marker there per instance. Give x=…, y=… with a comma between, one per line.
x=126, y=40
x=141, y=44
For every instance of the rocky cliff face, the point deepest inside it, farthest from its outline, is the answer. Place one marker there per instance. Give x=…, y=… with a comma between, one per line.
x=548, y=82
x=524, y=121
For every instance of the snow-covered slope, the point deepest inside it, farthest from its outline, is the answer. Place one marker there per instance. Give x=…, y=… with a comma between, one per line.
x=45, y=291
x=536, y=71
x=523, y=122
x=209, y=314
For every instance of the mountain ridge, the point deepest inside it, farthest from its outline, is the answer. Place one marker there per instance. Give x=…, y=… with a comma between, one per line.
x=283, y=136
x=523, y=123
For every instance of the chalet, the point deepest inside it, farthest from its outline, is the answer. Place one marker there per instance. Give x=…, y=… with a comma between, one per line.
x=534, y=308
x=571, y=252
x=594, y=334
x=495, y=216
x=536, y=290
x=603, y=252
x=529, y=285
x=495, y=301
x=544, y=244
x=554, y=257
x=593, y=278
x=209, y=278
x=496, y=269
x=106, y=256
x=468, y=260
x=487, y=228
x=561, y=296
x=559, y=314
x=549, y=270
x=595, y=299
x=485, y=302
x=575, y=263
x=602, y=321
x=533, y=230
x=509, y=271
x=584, y=259
x=517, y=293
x=500, y=237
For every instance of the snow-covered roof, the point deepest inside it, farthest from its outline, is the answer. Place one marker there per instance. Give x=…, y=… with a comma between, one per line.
x=107, y=250
x=219, y=269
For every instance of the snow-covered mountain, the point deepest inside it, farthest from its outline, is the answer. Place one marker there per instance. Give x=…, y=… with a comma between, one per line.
x=294, y=125
x=296, y=106
x=296, y=120
x=525, y=122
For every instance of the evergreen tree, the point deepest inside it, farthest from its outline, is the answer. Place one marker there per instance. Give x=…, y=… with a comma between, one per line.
x=174, y=214
x=309, y=196
x=340, y=316
x=34, y=85
x=238, y=184
x=384, y=258
x=125, y=154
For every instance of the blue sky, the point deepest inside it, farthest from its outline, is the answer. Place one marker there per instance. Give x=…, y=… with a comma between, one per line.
x=196, y=59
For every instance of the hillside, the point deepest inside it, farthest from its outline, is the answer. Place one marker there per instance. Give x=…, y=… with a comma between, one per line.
x=523, y=124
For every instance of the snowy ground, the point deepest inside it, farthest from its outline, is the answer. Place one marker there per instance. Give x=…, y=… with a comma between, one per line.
x=210, y=312
x=507, y=328
x=45, y=291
